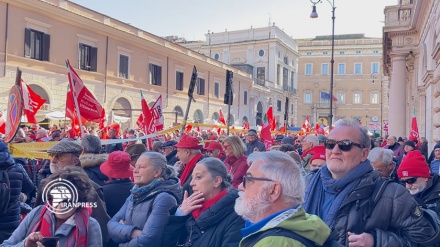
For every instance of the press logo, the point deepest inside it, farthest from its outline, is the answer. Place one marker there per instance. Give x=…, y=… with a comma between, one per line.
x=62, y=196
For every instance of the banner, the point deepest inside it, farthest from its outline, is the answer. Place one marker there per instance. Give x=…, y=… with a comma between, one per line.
x=32, y=102
x=156, y=112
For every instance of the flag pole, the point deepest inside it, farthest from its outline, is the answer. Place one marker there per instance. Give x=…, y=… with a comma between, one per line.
x=192, y=85
x=74, y=98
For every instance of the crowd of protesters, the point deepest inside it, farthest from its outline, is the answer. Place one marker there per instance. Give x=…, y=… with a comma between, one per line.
x=207, y=188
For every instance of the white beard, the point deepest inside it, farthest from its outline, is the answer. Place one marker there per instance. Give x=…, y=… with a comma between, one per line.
x=54, y=167
x=253, y=209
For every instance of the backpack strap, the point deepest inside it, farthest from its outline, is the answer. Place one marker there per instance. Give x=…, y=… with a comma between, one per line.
x=379, y=187
x=278, y=231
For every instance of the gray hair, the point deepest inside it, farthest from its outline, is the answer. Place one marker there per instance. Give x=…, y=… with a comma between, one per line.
x=364, y=138
x=280, y=167
x=382, y=155
x=194, y=151
x=311, y=138
x=217, y=168
x=158, y=161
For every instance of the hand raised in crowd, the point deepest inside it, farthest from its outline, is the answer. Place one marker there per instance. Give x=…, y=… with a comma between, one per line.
x=33, y=240
x=361, y=240
x=192, y=202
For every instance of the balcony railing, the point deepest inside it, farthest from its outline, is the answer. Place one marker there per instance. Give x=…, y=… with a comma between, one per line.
x=260, y=82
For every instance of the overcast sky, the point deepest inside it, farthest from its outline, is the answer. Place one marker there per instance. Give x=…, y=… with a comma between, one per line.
x=192, y=19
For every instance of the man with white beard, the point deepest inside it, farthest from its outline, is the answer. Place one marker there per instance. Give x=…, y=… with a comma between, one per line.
x=270, y=200
x=413, y=172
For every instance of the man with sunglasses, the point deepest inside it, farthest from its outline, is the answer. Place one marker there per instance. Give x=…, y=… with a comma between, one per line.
x=269, y=199
x=414, y=173
x=341, y=194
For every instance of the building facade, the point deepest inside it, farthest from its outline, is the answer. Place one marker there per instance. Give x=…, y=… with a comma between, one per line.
x=269, y=56
x=411, y=58
x=115, y=60
x=359, y=88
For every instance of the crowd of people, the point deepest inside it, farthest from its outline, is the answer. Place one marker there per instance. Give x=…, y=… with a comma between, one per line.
x=204, y=188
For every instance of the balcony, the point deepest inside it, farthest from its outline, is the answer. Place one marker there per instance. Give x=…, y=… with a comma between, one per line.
x=260, y=82
x=323, y=105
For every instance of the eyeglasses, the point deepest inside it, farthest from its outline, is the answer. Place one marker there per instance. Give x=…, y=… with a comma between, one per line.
x=344, y=145
x=250, y=178
x=409, y=180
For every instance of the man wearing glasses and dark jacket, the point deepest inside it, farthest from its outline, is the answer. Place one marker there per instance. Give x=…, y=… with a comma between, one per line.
x=341, y=190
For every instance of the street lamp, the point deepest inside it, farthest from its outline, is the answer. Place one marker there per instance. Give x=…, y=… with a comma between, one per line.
x=314, y=14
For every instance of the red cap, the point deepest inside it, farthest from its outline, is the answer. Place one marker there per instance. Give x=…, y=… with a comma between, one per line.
x=413, y=165
x=117, y=165
x=320, y=156
x=214, y=146
x=188, y=142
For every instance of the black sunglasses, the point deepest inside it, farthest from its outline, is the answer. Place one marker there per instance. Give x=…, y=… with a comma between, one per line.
x=344, y=145
x=250, y=178
x=409, y=180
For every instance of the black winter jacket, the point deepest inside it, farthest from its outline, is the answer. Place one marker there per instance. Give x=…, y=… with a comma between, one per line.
x=430, y=197
x=395, y=220
x=172, y=158
x=19, y=182
x=91, y=163
x=218, y=226
x=116, y=192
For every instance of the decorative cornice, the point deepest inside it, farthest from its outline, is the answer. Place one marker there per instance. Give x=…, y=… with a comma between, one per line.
x=402, y=33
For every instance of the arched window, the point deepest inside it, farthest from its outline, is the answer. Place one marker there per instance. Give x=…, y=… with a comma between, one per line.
x=215, y=116
x=198, y=116
x=123, y=107
x=179, y=110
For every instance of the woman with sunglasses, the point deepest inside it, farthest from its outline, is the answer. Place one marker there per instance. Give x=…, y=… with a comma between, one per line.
x=235, y=161
x=207, y=217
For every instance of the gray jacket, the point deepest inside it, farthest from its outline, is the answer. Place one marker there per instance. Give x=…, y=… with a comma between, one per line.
x=94, y=238
x=150, y=216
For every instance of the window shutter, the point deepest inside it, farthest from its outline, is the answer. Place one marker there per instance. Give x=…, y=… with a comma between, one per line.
x=151, y=68
x=82, y=64
x=94, y=59
x=27, y=42
x=46, y=46
x=159, y=75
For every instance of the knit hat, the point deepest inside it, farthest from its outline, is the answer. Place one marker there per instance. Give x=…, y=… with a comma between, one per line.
x=252, y=132
x=287, y=140
x=437, y=145
x=91, y=144
x=413, y=165
x=117, y=165
x=66, y=146
x=319, y=156
x=409, y=143
x=400, y=139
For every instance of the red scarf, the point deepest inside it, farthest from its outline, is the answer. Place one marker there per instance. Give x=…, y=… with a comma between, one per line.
x=77, y=238
x=197, y=212
x=189, y=167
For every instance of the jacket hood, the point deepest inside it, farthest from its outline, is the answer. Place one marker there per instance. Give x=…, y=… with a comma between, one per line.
x=218, y=211
x=170, y=186
x=6, y=160
x=297, y=220
x=92, y=160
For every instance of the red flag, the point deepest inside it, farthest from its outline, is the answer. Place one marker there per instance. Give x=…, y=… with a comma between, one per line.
x=188, y=128
x=148, y=121
x=89, y=108
x=140, y=121
x=414, y=134
x=221, y=117
x=306, y=128
x=71, y=112
x=270, y=118
x=156, y=112
x=282, y=129
x=2, y=124
x=31, y=102
x=265, y=130
x=319, y=130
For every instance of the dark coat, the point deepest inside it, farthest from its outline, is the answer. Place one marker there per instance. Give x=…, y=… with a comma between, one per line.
x=149, y=216
x=19, y=181
x=218, y=226
x=113, y=147
x=395, y=220
x=430, y=197
x=116, y=192
x=91, y=163
x=172, y=158
x=250, y=146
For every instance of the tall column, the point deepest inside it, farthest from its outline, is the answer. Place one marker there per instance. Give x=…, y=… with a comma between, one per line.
x=396, y=115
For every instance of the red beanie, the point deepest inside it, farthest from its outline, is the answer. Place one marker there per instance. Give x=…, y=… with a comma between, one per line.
x=319, y=153
x=413, y=165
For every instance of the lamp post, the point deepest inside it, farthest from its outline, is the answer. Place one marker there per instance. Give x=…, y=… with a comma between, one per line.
x=314, y=14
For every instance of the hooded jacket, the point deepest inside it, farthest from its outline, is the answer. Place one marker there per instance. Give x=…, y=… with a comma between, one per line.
x=430, y=197
x=19, y=181
x=296, y=220
x=90, y=163
x=151, y=221
x=218, y=226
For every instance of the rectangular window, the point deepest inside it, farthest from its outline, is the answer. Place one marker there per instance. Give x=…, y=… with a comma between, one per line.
x=324, y=69
x=87, y=57
x=374, y=68
x=374, y=98
x=341, y=68
x=123, y=66
x=340, y=97
x=308, y=68
x=357, y=98
x=216, y=90
x=155, y=74
x=278, y=105
x=36, y=45
x=245, y=98
x=200, y=86
x=179, y=80
x=278, y=74
x=285, y=76
x=261, y=73
x=357, y=68
x=308, y=98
